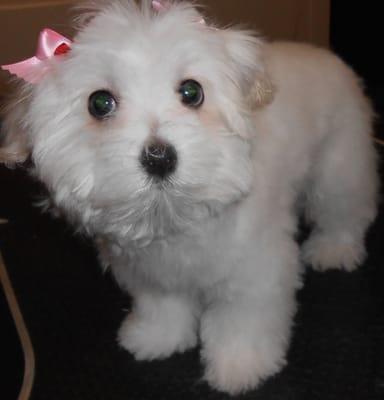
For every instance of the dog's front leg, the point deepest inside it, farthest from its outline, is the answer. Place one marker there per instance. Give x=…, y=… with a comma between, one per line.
x=245, y=336
x=159, y=325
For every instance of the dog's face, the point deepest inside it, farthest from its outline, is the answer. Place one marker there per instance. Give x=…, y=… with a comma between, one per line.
x=144, y=126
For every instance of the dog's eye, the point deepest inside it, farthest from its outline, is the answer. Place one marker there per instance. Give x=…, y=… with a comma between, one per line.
x=192, y=94
x=101, y=104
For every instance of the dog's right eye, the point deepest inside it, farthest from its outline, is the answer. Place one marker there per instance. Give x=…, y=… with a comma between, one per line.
x=102, y=104
x=192, y=94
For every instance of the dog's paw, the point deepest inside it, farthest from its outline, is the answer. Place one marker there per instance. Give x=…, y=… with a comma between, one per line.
x=235, y=369
x=326, y=252
x=149, y=339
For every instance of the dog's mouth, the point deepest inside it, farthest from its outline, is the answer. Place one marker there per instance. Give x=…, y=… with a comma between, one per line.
x=160, y=184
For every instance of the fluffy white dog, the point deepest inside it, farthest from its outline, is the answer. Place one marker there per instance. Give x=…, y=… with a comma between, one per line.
x=184, y=150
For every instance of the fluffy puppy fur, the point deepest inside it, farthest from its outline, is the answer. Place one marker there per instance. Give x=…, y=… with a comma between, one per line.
x=207, y=252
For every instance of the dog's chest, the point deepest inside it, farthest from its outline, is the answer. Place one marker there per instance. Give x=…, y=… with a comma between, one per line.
x=197, y=259
x=181, y=261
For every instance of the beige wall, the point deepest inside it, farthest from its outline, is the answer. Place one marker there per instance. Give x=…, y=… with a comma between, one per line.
x=304, y=20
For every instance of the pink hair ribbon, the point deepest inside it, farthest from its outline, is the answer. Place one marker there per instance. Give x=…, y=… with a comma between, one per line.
x=160, y=5
x=50, y=44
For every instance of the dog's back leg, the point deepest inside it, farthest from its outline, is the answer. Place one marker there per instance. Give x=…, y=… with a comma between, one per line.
x=343, y=194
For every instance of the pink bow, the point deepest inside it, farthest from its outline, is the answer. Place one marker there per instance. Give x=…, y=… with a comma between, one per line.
x=50, y=44
x=160, y=5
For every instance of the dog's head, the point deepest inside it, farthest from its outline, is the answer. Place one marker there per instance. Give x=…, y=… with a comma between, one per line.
x=145, y=125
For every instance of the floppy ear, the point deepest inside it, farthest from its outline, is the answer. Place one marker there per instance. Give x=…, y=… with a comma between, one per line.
x=246, y=52
x=14, y=146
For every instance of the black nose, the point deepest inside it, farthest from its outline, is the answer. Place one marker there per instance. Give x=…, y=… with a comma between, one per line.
x=159, y=159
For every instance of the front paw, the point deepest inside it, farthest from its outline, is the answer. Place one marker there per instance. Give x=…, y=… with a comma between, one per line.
x=236, y=367
x=149, y=339
x=325, y=252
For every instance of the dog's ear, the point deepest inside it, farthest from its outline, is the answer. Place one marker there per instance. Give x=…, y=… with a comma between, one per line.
x=14, y=146
x=245, y=50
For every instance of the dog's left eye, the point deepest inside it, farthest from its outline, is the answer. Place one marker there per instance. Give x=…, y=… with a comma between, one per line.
x=192, y=94
x=101, y=104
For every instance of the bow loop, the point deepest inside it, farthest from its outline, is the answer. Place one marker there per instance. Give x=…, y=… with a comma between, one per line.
x=50, y=44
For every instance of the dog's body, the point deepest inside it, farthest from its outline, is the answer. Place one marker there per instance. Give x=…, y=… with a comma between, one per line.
x=209, y=250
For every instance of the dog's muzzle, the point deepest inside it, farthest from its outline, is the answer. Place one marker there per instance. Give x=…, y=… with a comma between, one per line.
x=159, y=159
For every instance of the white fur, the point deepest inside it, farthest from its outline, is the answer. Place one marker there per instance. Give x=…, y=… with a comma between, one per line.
x=211, y=253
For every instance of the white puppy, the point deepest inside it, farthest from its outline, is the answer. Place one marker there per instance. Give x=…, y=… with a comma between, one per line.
x=184, y=149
